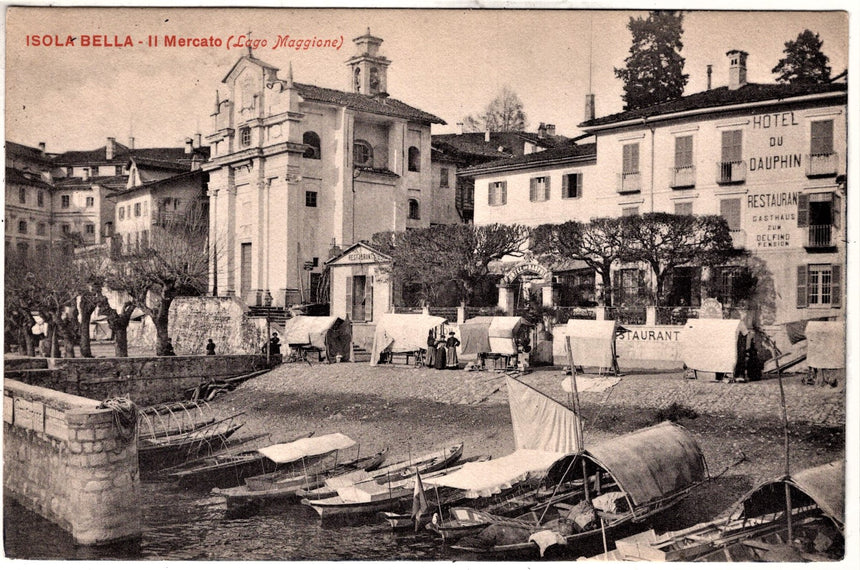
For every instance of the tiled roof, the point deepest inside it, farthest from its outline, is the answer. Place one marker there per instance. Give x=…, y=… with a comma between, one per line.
x=22, y=151
x=468, y=146
x=15, y=176
x=154, y=183
x=570, y=151
x=357, y=101
x=123, y=154
x=720, y=97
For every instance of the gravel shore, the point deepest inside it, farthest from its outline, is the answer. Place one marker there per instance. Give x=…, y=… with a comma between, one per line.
x=414, y=410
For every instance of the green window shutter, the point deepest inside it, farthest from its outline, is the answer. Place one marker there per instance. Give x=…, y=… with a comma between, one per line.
x=836, y=286
x=490, y=194
x=803, y=210
x=349, y=297
x=368, y=295
x=565, y=185
x=836, y=210
x=533, y=189
x=504, y=192
x=546, y=188
x=578, y=183
x=802, y=299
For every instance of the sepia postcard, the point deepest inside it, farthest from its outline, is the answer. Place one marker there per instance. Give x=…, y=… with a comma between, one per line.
x=454, y=282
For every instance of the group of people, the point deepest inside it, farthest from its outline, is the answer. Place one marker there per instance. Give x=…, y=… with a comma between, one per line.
x=442, y=352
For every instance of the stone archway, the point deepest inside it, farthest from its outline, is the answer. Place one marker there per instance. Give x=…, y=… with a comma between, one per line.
x=513, y=279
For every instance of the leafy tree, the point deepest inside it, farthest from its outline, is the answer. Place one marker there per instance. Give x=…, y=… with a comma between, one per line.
x=502, y=114
x=654, y=70
x=447, y=256
x=804, y=62
x=666, y=241
x=598, y=244
x=19, y=301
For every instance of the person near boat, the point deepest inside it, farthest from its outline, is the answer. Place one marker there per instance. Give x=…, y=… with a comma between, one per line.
x=451, y=350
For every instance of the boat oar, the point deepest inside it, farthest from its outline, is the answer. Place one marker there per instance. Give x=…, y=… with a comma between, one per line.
x=603, y=534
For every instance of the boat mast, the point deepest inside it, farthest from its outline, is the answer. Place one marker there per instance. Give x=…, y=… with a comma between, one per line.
x=580, y=445
x=776, y=355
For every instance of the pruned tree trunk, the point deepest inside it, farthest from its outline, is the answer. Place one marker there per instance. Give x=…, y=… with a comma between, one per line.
x=606, y=277
x=88, y=306
x=118, y=323
x=161, y=320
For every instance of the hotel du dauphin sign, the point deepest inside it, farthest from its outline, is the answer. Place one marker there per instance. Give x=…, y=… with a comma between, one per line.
x=777, y=144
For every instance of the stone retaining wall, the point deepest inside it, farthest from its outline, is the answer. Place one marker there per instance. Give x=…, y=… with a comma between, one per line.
x=66, y=460
x=146, y=380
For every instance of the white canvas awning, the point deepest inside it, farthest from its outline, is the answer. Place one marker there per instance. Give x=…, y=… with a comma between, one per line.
x=711, y=345
x=592, y=342
x=402, y=333
x=303, y=330
x=825, y=344
x=306, y=447
x=486, y=478
x=502, y=334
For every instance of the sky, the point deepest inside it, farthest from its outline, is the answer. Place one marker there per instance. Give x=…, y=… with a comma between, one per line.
x=447, y=62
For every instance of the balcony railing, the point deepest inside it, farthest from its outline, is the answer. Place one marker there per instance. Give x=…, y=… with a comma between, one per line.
x=823, y=164
x=682, y=176
x=820, y=236
x=629, y=182
x=731, y=172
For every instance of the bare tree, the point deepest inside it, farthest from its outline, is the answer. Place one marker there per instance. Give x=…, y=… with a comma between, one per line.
x=455, y=255
x=666, y=241
x=598, y=244
x=502, y=114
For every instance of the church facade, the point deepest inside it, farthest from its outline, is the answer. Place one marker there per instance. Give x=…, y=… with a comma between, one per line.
x=298, y=172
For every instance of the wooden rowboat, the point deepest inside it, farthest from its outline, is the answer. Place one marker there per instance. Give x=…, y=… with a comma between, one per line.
x=166, y=450
x=282, y=485
x=428, y=463
x=226, y=469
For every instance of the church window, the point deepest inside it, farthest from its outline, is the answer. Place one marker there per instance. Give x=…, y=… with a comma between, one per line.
x=312, y=140
x=362, y=154
x=414, y=159
x=245, y=136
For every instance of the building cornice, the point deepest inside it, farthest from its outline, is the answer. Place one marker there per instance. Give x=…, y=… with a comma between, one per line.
x=639, y=121
x=549, y=163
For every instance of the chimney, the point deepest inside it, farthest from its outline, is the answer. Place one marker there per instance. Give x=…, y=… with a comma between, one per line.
x=542, y=131
x=710, y=69
x=589, y=106
x=86, y=174
x=131, y=143
x=110, y=148
x=737, y=68
x=189, y=145
x=42, y=147
x=198, y=142
x=487, y=135
x=459, y=128
x=550, y=129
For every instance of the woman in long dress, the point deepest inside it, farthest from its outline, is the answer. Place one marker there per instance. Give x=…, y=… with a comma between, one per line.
x=440, y=353
x=451, y=350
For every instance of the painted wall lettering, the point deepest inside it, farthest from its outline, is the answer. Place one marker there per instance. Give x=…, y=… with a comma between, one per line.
x=774, y=120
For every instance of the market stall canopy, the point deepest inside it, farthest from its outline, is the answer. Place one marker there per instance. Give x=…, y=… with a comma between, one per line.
x=825, y=344
x=332, y=335
x=502, y=334
x=307, y=447
x=647, y=464
x=474, y=336
x=823, y=485
x=592, y=342
x=711, y=345
x=402, y=333
x=486, y=478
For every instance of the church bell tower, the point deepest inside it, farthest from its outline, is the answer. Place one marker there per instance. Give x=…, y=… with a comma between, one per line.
x=368, y=71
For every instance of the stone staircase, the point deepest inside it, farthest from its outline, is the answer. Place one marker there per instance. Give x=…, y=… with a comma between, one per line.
x=360, y=354
x=277, y=315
